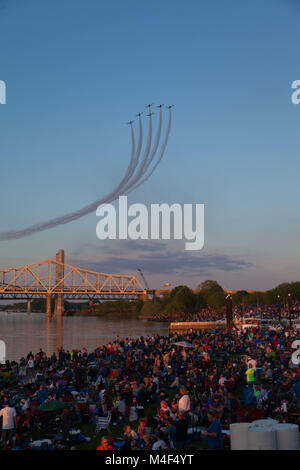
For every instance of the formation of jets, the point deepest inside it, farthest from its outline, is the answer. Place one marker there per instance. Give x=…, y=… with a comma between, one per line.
x=150, y=112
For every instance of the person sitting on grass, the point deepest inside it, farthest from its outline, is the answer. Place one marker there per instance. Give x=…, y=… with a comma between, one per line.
x=215, y=404
x=42, y=395
x=105, y=445
x=142, y=428
x=130, y=433
x=160, y=443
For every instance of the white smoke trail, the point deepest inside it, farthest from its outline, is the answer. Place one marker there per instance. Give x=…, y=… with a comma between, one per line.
x=13, y=235
x=154, y=150
x=139, y=147
x=135, y=161
x=144, y=159
x=127, y=184
x=161, y=154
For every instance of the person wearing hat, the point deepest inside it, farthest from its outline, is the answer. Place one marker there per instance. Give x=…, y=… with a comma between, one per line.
x=9, y=419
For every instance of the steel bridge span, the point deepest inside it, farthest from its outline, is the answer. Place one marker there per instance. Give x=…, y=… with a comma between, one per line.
x=53, y=279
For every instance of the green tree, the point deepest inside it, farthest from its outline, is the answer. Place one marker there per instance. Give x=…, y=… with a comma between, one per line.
x=210, y=285
x=240, y=297
x=200, y=301
x=151, y=308
x=212, y=294
x=184, y=299
x=216, y=300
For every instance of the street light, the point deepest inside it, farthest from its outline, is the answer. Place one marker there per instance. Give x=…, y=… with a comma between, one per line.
x=290, y=309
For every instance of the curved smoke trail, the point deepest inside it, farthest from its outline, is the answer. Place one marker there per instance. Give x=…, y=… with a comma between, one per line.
x=152, y=155
x=124, y=185
x=161, y=154
x=130, y=167
x=139, y=147
x=128, y=184
x=13, y=235
x=144, y=159
x=137, y=155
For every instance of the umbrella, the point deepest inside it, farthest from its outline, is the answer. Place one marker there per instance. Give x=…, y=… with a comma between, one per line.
x=51, y=405
x=61, y=382
x=184, y=344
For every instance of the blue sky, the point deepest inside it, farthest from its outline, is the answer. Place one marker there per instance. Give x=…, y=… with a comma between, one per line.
x=77, y=71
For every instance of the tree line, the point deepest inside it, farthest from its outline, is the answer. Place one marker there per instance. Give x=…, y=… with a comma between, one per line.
x=209, y=294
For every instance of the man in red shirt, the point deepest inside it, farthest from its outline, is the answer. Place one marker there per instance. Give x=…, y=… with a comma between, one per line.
x=105, y=444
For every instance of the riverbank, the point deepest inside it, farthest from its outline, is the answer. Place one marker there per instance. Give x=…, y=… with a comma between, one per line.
x=22, y=332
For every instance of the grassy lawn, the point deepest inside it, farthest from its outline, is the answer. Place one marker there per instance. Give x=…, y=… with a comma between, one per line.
x=89, y=430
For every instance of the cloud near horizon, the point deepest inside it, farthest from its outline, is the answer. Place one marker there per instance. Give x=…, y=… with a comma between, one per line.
x=154, y=258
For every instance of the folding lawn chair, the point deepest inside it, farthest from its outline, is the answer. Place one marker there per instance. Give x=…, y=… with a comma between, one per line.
x=103, y=422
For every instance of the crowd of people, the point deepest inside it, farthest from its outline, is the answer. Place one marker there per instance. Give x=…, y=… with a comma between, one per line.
x=205, y=314
x=156, y=392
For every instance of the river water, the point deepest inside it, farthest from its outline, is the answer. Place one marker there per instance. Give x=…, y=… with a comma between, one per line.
x=23, y=333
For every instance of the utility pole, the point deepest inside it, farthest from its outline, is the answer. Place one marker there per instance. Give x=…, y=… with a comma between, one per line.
x=243, y=310
x=290, y=310
x=228, y=303
x=279, y=308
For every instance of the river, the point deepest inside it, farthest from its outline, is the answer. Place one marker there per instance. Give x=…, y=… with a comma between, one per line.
x=23, y=333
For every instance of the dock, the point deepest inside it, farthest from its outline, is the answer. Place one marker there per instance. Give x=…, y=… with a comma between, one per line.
x=198, y=325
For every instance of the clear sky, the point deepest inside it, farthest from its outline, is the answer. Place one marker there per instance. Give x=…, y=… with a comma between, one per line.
x=77, y=70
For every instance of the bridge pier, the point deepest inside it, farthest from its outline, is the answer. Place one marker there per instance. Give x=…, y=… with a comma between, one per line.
x=143, y=297
x=28, y=306
x=48, y=304
x=59, y=304
x=59, y=298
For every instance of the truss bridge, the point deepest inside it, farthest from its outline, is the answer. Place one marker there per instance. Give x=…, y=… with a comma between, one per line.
x=54, y=279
